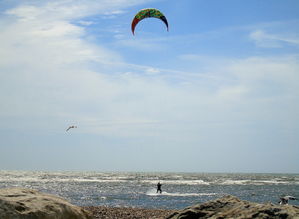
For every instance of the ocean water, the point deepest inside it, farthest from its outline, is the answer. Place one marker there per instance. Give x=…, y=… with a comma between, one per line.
x=139, y=189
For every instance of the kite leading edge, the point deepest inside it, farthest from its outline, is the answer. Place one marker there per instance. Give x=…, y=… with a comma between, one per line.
x=147, y=13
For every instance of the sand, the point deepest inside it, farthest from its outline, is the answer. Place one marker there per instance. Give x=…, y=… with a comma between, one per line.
x=127, y=213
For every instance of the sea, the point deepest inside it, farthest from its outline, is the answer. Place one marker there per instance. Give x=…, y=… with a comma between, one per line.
x=179, y=190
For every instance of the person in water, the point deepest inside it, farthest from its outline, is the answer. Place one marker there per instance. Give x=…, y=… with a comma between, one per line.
x=159, y=187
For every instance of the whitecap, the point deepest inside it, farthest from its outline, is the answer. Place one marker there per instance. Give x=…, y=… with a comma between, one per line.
x=177, y=182
x=153, y=192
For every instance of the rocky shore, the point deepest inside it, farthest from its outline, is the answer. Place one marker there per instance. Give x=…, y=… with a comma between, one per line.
x=128, y=213
x=234, y=208
x=229, y=207
x=19, y=203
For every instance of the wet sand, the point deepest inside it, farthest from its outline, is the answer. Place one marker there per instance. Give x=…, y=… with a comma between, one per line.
x=127, y=213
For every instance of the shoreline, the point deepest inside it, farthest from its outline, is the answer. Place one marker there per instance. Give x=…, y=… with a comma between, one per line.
x=106, y=212
x=30, y=203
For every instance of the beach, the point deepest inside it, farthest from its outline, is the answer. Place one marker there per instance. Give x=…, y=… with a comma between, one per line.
x=105, y=212
x=225, y=207
x=28, y=203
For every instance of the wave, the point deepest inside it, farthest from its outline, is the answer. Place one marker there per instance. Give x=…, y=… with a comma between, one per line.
x=177, y=182
x=255, y=182
x=153, y=192
x=148, y=179
x=29, y=179
x=152, y=182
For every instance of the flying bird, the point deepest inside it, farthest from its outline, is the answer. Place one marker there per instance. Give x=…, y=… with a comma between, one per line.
x=285, y=200
x=71, y=127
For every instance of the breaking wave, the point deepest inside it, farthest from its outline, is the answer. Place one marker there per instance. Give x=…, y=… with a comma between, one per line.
x=153, y=192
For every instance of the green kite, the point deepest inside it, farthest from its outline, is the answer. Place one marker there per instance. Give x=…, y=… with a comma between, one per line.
x=146, y=13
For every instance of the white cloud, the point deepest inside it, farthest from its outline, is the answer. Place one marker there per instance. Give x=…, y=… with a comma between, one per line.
x=280, y=69
x=249, y=84
x=66, y=9
x=51, y=74
x=264, y=39
x=46, y=65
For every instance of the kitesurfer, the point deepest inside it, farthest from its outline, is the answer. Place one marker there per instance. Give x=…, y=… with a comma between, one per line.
x=159, y=187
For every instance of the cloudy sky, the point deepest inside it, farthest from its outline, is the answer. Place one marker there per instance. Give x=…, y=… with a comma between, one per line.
x=219, y=92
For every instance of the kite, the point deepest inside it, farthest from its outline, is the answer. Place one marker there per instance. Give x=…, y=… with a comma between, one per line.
x=146, y=13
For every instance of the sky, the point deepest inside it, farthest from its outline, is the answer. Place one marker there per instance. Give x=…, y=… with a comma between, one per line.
x=218, y=92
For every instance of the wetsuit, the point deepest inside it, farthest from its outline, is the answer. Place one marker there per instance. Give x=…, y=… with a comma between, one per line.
x=159, y=187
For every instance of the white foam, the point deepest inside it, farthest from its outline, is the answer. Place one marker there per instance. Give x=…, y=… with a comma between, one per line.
x=234, y=182
x=177, y=182
x=153, y=192
x=37, y=179
x=253, y=182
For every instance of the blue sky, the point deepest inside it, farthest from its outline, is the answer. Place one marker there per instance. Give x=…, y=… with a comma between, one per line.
x=217, y=93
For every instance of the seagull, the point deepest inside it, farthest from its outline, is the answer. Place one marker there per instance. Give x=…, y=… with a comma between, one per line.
x=284, y=200
x=71, y=127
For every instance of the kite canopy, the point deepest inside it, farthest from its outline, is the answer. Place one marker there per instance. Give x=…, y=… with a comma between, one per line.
x=146, y=13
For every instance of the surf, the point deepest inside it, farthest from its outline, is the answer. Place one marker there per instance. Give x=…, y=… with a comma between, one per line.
x=153, y=192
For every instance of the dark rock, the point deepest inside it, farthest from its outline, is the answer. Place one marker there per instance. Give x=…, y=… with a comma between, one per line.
x=232, y=207
x=18, y=203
